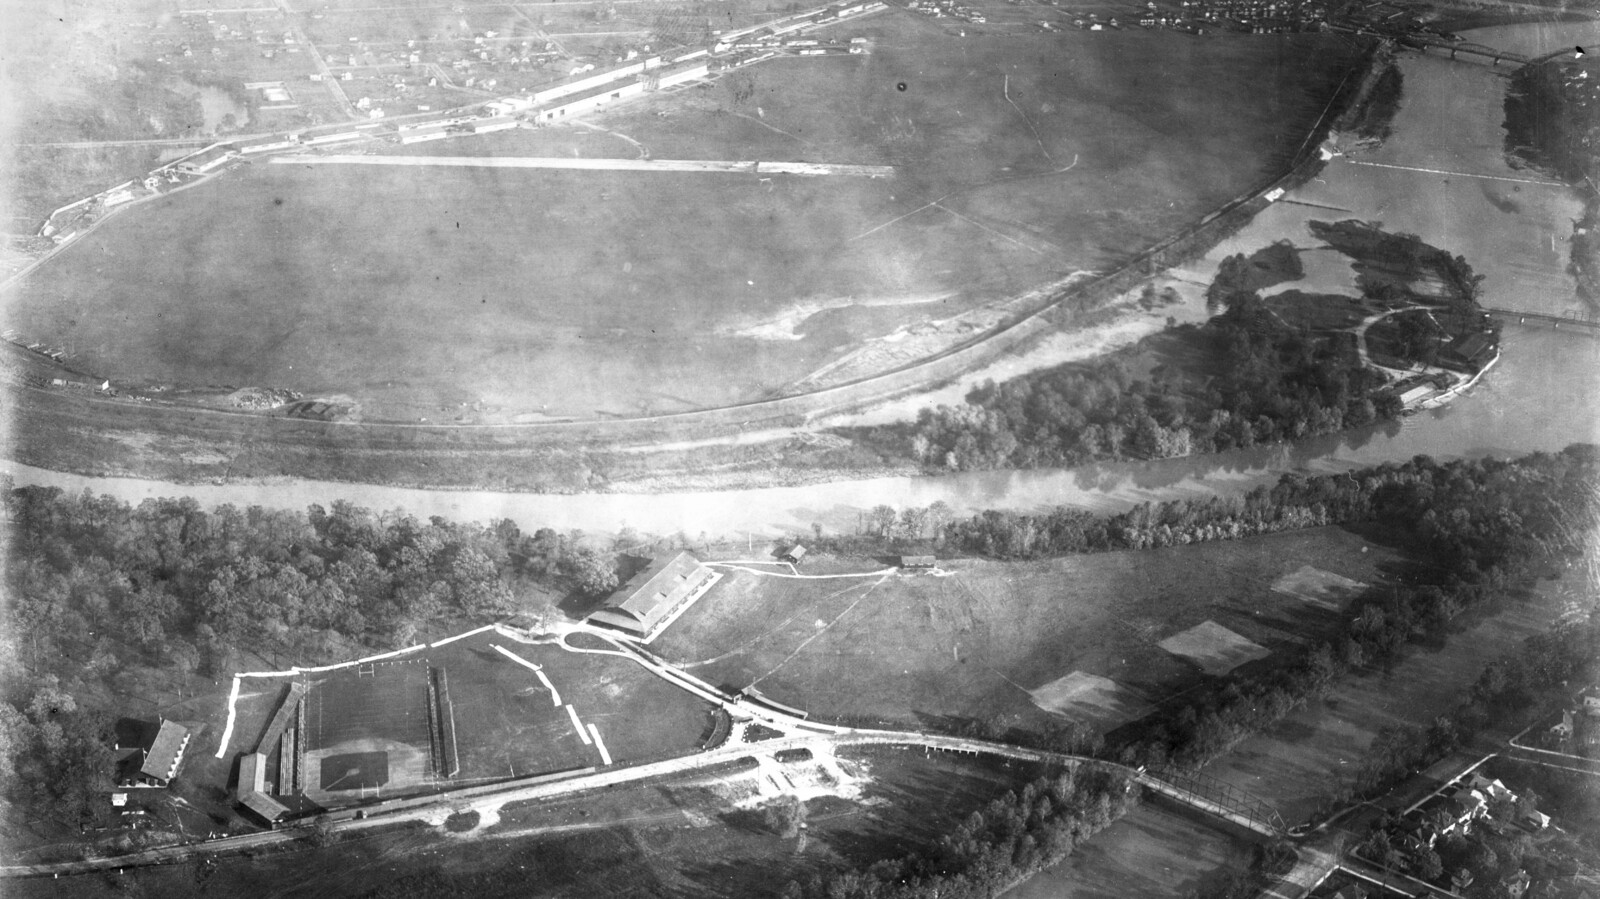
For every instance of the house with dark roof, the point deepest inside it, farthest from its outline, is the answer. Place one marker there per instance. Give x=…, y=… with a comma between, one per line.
x=656, y=596
x=147, y=753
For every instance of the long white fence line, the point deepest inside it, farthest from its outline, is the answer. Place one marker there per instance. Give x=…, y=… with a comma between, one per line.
x=227, y=730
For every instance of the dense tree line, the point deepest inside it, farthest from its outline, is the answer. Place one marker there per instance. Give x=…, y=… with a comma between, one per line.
x=1375, y=119
x=169, y=580
x=1484, y=509
x=95, y=586
x=1013, y=837
x=1504, y=693
x=55, y=756
x=1549, y=121
x=1268, y=382
x=1248, y=376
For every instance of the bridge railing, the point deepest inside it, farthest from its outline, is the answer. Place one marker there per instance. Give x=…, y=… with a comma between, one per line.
x=1260, y=814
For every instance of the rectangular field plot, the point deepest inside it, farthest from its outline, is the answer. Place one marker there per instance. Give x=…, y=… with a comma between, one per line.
x=367, y=727
x=1090, y=699
x=505, y=723
x=1323, y=588
x=1214, y=648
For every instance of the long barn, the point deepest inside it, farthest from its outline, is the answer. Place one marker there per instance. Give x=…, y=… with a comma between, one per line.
x=656, y=596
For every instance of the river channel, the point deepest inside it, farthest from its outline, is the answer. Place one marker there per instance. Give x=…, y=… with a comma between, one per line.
x=1541, y=396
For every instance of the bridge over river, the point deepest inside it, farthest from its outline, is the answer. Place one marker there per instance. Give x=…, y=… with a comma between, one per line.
x=1578, y=323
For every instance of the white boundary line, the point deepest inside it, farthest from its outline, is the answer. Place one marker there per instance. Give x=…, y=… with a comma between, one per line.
x=605, y=757
x=555, y=698
x=227, y=730
x=486, y=627
x=582, y=734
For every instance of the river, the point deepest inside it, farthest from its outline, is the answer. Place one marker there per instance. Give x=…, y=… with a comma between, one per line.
x=1541, y=396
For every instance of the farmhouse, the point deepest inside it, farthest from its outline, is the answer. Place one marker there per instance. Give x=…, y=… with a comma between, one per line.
x=152, y=754
x=794, y=554
x=656, y=596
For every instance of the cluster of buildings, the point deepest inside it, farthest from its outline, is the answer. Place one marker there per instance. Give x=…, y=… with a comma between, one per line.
x=1578, y=730
x=940, y=9
x=1459, y=810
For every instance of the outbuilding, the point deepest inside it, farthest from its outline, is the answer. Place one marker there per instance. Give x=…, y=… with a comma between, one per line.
x=918, y=562
x=794, y=554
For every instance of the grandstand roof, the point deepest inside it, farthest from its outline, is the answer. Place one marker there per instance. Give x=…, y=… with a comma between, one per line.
x=654, y=593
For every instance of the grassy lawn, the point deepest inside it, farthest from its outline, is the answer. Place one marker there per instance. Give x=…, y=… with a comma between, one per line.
x=439, y=293
x=915, y=649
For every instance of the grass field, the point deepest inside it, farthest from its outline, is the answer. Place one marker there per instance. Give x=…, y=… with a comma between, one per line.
x=485, y=294
x=1152, y=851
x=1315, y=750
x=983, y=641
x=366, y=730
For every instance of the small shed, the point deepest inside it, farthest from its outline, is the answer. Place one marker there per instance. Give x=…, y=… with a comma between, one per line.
x=918, y=562
x=794, y=554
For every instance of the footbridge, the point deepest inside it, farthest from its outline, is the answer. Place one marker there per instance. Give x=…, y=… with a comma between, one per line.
x=1573, y=322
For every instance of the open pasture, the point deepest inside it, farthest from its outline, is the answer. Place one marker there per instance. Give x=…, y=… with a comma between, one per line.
x=998, y=640
x=482, y=295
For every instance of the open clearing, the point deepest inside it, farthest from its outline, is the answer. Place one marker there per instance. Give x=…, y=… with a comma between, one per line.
x=1214, y=648
x=484, y=294
x=990, y=638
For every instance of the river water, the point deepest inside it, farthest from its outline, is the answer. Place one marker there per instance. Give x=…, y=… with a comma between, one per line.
x=1541, y=396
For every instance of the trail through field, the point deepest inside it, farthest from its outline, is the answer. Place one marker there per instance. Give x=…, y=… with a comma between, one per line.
x=824, y=629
